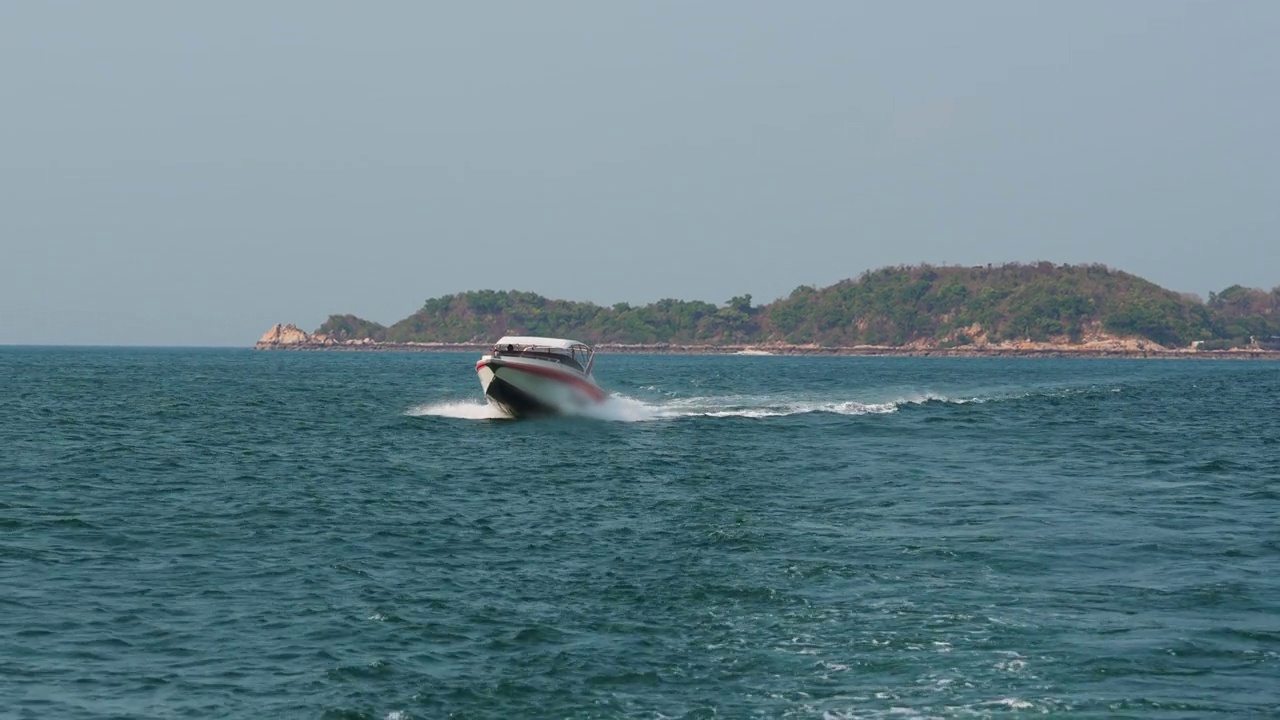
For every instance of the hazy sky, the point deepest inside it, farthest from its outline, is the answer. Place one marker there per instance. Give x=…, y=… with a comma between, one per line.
x=190, y=173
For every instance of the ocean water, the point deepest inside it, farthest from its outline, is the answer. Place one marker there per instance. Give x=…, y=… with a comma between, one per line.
x=231, y=534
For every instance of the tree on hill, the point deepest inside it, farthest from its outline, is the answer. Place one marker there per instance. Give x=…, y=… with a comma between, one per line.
x=1239, y=313
x=350, y=327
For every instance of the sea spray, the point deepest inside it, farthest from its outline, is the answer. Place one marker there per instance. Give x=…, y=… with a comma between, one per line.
x=459, y=410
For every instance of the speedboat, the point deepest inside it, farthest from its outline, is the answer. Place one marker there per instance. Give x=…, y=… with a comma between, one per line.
x=531, y=376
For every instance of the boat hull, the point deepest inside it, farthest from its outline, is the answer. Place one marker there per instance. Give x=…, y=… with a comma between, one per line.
x=534, y=389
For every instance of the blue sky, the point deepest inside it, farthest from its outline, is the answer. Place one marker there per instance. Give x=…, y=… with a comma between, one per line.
x=180, y=173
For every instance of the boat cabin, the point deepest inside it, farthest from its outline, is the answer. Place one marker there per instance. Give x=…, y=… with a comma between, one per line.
x=570, y=353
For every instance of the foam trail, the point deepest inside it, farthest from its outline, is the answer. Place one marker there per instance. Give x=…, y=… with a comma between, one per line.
x=929, y=397
x=620, y=408
x=802, y=408
x=461, y=410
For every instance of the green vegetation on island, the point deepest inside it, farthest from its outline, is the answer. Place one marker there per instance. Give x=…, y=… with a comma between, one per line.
x=352, y=327
x=923, y=306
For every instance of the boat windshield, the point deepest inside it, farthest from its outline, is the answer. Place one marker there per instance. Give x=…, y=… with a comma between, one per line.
x=577, y=357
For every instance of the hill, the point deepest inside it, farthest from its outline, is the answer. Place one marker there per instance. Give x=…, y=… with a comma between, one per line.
x=908, y=306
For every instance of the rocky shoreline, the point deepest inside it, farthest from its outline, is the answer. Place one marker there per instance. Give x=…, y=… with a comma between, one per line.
x=290, y=337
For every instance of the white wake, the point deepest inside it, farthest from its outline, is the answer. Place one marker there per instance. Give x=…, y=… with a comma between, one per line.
x=621, y=408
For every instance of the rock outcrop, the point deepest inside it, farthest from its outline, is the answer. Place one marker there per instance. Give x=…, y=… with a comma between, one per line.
x=287, y=336
x=284, y=336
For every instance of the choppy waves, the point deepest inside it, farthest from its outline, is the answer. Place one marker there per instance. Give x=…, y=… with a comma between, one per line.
x=243, y=535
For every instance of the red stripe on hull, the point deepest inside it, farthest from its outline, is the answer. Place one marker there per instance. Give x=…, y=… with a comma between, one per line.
x=595, y=392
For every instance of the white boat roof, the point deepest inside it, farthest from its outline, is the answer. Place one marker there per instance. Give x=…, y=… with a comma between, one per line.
x=527, y=340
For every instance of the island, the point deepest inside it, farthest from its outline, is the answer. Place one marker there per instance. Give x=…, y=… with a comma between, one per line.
x=1013, y=309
